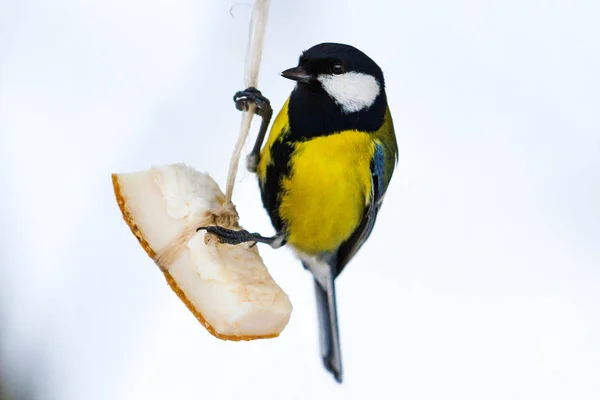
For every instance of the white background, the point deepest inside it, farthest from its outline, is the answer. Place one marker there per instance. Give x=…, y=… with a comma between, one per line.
x=480, y=281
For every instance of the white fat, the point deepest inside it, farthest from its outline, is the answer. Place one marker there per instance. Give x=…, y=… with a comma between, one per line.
x=229, y=286
x=353, y=91
x=187, y=192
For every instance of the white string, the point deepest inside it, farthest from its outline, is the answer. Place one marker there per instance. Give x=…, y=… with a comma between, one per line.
x=258, y=23
x=226, y=215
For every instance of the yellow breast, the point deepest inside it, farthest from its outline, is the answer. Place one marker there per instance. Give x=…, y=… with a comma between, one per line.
x=324, y=196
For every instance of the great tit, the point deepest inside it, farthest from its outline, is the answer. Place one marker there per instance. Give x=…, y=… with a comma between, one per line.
x=324, y=170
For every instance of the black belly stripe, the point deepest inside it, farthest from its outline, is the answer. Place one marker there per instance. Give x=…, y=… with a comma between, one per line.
x=277, y=169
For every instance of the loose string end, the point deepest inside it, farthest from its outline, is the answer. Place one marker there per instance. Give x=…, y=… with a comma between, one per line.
x=254, y=49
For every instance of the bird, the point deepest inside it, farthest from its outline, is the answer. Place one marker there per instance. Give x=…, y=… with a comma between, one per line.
x=324, y=170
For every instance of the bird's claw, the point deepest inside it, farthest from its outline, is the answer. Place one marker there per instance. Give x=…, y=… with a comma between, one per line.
x=262, y=105
x=230, y=236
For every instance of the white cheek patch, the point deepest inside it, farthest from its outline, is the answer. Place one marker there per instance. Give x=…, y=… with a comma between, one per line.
x=353, y=91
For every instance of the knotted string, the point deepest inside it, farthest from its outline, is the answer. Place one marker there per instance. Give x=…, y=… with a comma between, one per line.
x=225, y=216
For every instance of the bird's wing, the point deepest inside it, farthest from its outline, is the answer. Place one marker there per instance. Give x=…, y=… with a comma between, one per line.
x=349, y=248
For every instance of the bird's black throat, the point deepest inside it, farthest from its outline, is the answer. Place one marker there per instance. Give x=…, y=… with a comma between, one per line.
x=312, y=112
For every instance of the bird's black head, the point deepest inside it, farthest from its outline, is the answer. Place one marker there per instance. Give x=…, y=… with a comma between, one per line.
x=339, y=87
x=347, y=74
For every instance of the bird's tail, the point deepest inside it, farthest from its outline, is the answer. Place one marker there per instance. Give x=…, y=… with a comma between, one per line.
x=328, y=326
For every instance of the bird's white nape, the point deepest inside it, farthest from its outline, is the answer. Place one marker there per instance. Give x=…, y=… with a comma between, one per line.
x=353, y=91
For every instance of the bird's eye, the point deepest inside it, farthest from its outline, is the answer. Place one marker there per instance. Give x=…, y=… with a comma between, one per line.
x=337, y=69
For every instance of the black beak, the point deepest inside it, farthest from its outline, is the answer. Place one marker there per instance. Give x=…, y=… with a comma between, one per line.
x=297, y=74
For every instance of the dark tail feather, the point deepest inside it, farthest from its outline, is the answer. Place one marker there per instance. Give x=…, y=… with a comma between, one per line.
x=328, y=325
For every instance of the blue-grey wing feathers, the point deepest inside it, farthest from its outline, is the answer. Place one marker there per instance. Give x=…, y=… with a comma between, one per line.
x=329, y=268
x=349, y=248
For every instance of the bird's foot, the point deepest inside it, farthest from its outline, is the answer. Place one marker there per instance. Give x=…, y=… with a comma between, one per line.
x=262, y=108
x=262, y=105
x=230, y=236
